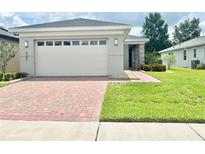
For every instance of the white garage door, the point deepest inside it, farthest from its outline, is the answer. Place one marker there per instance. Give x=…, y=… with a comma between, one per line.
x=71, y=57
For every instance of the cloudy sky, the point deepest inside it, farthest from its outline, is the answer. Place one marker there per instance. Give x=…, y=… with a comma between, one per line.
x=12, y=19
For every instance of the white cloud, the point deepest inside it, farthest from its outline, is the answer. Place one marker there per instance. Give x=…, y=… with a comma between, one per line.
x=171, y=31
x=56, y=16
x=11, y=20
x=202, y=25
x=17, y=21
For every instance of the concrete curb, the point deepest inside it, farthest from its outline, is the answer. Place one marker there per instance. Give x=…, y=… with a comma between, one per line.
x=16, y=80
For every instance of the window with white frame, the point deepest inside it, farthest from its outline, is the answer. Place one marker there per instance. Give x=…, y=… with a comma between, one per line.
x=49, y=43
x=94, y=42
x=58, y=43
x=102, y=42
x=185, y=54
x=66, y=43
x=40, y=43
x=84, y=42
x=194, y=53
x=75, y=43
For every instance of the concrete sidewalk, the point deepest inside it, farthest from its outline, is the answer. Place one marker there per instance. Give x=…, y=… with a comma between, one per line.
x=99, y=131
x=47, y=130
x=151, y=131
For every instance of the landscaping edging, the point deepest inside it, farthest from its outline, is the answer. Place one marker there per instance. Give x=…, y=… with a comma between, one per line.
x=16, y=80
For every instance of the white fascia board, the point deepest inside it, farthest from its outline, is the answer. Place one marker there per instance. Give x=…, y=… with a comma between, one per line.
x=136, y=41
x=180, y=48
x=57, y=29
x=72, y=33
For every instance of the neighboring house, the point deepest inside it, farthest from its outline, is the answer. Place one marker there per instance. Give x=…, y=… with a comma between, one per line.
x=14, y=64
x=79, y=47
x=188, y=53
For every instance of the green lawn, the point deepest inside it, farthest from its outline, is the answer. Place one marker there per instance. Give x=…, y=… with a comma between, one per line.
x=3, y=84
x=180, y=97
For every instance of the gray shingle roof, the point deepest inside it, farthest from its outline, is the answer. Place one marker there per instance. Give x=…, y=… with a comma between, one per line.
x=79, y=22
x=191, y=43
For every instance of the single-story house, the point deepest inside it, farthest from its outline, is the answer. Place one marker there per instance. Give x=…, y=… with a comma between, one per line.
x=79, y=47
x=187, y=54
x=13, y=64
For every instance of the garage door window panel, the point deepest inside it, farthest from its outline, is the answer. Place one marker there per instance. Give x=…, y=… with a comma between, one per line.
x=66, y=43
x=102, y=42
x=40, y=43
x=58, y=43
x=75, y=43
x=84, y=43
x=93, y=42
x=49, y=43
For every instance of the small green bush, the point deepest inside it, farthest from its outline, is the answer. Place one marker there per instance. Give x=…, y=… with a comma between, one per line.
x=200, y=67
x=147, y=67
x=12, y=76
x=21, y=75
x=9, y=76
x=162, y=67
x=154, y=68
x=158, y=68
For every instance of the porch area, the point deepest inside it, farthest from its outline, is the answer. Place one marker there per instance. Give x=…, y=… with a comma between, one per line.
x=134, y=52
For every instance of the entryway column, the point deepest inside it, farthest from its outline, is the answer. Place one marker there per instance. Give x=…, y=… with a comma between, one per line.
x=141, y=53
x=136, y=57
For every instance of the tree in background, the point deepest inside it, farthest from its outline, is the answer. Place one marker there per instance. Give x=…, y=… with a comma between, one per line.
x=7, y=52
x=170, y=60
x=186, y=30
x=156, y=30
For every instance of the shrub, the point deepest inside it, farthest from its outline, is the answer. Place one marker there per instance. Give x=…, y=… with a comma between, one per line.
x=12, y=76
x=9, y=76
x=159, y=68
x=154, y=68
x=200, y=67
x=21, y=75
x=147, y=67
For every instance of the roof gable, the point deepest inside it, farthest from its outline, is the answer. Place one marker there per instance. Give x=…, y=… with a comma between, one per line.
x=190, y=43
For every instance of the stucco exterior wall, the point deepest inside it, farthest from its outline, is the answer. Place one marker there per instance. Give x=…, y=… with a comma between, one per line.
x=27, y=56
x=14, y=64
x=126, y=56
x=116, y=56
x=115, y=53
x=180, y=62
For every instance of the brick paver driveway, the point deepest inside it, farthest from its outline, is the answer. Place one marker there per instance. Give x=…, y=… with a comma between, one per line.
x=53, y=98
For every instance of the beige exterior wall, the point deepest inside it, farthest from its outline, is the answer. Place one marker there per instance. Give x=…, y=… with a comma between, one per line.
x=180, y=62
x=126, y=56
x=14, y=64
